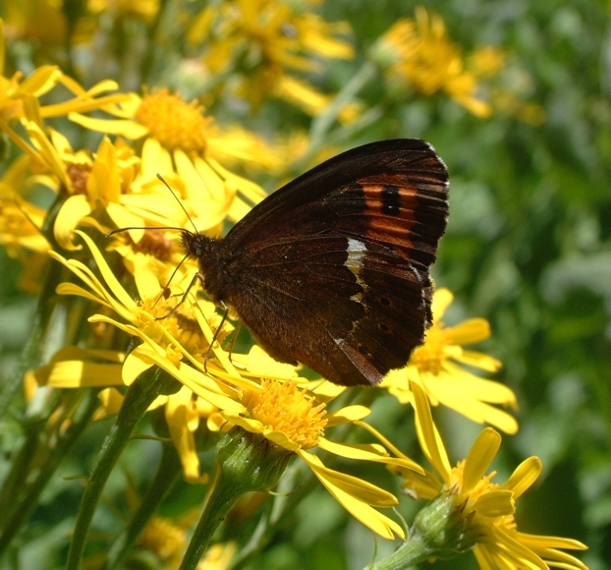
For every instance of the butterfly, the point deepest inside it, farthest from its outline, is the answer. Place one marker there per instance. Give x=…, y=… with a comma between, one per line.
x=332, y=270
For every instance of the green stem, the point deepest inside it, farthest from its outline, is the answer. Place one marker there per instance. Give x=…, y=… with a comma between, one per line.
x=247, y=462
x=137, y=400
x=412, y=552
x=13, y=484
x=28, y=501
x=319, y=130
x=151, y=55
x=223, y=496
x=168, y=472
x=30, y=356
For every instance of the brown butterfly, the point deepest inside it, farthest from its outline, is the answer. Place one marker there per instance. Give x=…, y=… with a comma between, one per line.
x=332, y=270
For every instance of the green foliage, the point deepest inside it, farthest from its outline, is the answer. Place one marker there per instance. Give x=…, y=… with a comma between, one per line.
x=528, y=247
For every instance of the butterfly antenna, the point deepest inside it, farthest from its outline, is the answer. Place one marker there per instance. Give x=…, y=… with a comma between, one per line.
x=179, y=202
x=121, y=230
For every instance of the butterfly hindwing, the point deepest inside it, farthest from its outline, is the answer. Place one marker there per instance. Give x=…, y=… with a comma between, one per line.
x=332, y=270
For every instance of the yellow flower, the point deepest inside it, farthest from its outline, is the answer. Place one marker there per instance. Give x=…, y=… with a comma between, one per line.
x=19, y=97
x=145, y=9
x=421, y=52
x=486, y=509
x=41, y=22
x=177, y=342
x=294, y=417
x=20, y=221
x=184, y=142
x=261, y=42
x=165, y=539
x=174, y=338
x=92, y=182
x=435, y=367
x=218, y=556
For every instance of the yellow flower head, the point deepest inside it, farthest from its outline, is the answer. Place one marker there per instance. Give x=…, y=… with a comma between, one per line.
x=263, y=42
x=174, y=123
x=165, y=539
x=168, y=336
x=438, y=367
x=145, y=9
x=187, y=149
x=283, y=407
x=485, y=509
x=420, y=52
x=295, y=418
x=20, y=220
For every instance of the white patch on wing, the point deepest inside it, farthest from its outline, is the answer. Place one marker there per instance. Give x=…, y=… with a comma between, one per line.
x=356, y=255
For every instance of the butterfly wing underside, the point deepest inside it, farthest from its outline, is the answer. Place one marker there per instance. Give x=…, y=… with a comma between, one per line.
x=332, y=269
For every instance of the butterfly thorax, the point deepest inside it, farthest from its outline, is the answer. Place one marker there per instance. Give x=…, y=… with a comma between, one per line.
x=213, y=268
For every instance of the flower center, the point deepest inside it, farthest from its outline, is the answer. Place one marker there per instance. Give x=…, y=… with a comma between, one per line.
x=282, y=406
x=78, y=174
x=177, y=321
x=154, y=243
x=175, y=124
x=430, y=356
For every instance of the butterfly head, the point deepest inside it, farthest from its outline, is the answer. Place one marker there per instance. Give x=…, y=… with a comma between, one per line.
x=207, y=252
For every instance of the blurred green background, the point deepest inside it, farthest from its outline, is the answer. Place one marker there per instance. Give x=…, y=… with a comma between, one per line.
x=528, y=247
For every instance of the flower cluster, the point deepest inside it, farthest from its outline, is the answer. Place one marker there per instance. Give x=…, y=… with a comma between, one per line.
x=99, y=186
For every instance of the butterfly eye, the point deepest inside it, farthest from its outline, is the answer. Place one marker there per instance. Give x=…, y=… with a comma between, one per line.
x=363, y=350
x=384, y=327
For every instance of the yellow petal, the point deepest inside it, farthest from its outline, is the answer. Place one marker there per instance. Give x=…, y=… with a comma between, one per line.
x=260, y=364
x=479, y=360
x=41, y=81
x=357, y=488
x=482, y=452
x=126, y=128
x=428, y=436
x=111, y=400
x=469, y=331
x=107, y=274
x=282, y=440
x=497, y=503
x=249, y=424
x=442, y=298
x=367, y=452
x=103, y=183
x=524, y=476
x=72, y=211
x=135, y=364
x=182, y=421
x=78, y=373
x=534, y=541
x=359, y=509
x=347, y=415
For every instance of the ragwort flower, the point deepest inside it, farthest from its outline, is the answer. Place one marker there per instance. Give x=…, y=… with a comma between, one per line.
x=20, y=220
x=175, y=338
x=187, y=143
x=485, y=510
x=294, y=418
x=438, y=368
x=19, y=97
x=420, y=52
x=263, y=43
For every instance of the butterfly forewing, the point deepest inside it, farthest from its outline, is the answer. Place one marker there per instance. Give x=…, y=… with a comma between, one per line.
x=332, y=270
